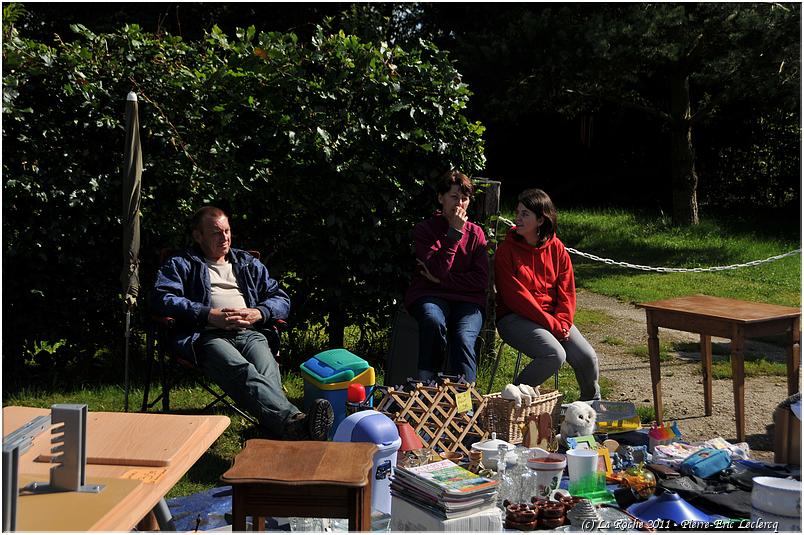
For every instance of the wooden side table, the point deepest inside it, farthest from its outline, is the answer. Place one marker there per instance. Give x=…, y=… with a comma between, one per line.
x=724, y=318
x=303, y=479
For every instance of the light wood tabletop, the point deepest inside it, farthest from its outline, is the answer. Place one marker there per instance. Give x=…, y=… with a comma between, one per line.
x=139, y=456
x=726, y=318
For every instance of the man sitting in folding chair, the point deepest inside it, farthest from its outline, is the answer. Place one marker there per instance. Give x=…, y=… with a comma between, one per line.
x=220, y=297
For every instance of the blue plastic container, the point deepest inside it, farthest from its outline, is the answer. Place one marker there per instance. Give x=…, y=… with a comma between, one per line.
x=328, y=376
x=376, y=428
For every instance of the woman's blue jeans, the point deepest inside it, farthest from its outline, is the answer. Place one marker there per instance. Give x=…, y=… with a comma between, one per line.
x=448, y=324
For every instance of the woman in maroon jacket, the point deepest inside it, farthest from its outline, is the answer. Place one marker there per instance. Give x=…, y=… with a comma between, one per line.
x=536, y=297
x=447, y=295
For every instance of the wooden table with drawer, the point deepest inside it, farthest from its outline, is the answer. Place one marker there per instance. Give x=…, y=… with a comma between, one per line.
x=301, y=479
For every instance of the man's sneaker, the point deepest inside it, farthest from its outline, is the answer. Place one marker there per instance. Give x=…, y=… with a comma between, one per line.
x=319, y=419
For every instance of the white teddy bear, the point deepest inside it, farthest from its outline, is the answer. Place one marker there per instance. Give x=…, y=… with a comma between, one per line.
x=579, y=420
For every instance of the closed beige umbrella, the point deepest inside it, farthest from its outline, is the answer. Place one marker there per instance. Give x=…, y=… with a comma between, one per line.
x=132, y=176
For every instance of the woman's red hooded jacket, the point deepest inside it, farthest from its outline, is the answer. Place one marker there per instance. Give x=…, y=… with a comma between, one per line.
x=536, y=283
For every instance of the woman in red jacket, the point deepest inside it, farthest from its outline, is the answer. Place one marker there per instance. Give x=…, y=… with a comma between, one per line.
x=536, y=297
x=447, y=295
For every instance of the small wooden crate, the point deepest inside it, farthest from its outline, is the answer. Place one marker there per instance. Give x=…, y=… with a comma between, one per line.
x=433, y=414
x=504, y=418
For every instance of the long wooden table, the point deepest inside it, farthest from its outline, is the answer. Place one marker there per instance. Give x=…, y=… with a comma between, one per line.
x=139, y=457
x=724, y=318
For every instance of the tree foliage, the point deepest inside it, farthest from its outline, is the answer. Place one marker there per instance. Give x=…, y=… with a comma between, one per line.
x=322, y=151
x=648, y=74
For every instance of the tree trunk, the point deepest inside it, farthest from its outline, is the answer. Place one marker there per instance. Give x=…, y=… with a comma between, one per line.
x=685, y=179
x=487, y=205
x=335, y=326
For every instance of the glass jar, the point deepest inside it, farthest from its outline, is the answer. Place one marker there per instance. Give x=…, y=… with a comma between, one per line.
x=528, y=486
x=517, y=473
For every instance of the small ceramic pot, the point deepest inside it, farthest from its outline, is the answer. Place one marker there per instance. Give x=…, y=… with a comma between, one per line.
x=454, y=456
x=489, y=450
x=548, y=473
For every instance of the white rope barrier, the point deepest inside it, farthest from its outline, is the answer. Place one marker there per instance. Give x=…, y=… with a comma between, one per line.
x=611, y=262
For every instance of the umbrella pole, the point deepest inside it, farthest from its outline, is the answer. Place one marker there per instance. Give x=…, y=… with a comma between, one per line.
x=127, y=335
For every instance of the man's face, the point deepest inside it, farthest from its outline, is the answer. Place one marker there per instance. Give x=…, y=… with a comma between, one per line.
x=214, y=237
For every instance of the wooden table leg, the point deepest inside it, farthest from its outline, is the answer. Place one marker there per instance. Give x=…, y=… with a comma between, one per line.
x=738, y=380
x=655, y=372
x=706, y=365
x=359, y=510
x=238, y=512
x=795, y=357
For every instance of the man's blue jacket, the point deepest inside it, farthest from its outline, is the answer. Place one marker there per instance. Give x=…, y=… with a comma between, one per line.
x=182, y=291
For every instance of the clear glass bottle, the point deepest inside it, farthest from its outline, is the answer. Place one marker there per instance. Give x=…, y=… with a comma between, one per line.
x=506, y=489
x=527, y=484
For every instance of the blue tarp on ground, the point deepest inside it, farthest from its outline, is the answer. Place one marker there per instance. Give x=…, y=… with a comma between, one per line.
x=204, y=510
x=209, y=509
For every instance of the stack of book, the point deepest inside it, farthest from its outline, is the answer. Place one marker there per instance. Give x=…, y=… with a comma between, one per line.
x=444, y=489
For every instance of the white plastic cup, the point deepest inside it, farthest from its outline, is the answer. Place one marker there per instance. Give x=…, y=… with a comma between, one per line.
x=581, y=463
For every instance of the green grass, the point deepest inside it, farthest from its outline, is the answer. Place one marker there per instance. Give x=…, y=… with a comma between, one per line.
x=755, y=366
x=613, y=340
x=695, y=347
x=649, y=239
x=641, y=351
x=646, y=413
x=586, y=317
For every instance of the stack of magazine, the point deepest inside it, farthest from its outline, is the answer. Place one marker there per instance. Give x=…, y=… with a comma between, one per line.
x=444, y=489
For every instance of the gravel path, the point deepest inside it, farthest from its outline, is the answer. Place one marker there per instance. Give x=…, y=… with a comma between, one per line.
x=682, y=385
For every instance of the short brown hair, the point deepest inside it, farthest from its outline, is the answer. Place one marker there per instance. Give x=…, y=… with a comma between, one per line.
x=538, y=202
x=205, y=211
x=454, y=178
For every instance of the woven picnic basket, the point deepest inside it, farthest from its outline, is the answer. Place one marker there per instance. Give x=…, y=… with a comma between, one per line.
x=501, y=416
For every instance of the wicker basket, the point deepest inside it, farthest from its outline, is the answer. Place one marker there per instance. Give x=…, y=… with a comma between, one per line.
x=502, y=417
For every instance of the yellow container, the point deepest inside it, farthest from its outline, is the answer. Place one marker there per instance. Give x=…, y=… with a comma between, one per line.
x=365, y=378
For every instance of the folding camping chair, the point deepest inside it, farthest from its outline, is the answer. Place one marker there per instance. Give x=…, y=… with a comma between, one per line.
x=173, y=366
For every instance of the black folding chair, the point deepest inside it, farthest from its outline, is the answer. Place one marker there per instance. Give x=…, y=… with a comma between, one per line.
x=174, y=367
